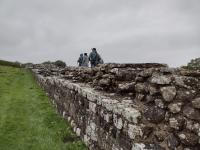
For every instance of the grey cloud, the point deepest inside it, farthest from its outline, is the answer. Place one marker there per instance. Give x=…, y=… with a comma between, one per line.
x=124, y=31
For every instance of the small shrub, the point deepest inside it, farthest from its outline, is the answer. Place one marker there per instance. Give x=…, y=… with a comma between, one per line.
x=60, y=63
x=194, y=64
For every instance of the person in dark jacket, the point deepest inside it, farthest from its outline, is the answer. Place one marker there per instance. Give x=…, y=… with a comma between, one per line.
x=80, y=60
x=94, y=58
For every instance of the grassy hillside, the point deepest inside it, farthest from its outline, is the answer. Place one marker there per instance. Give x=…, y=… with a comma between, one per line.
x=27, y=119
x=8, y=63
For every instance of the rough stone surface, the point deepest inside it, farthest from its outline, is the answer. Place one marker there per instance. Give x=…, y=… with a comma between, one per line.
x=131, y=114
x=141, y=88
x=193, y=126
x=172, y=141
x=134, y=131
x=127, y=106
x=155, y=114
x=191, y=113
x=188, y=139
x=196, y=103
x=138, y=146
x=127, y=87
x=175, y=107
x=177, y=123
x=153, y=147
x=159, y=103
x=168, y=93
x=159, y=79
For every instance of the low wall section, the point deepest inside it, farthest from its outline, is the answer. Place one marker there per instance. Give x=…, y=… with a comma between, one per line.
x=154, y=108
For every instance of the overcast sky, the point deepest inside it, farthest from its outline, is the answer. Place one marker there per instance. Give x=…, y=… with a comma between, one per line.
x=124, y=31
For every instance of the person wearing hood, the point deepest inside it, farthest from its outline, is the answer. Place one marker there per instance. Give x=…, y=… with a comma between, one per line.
x=85, y=60
x=94, y=58
x=80, y=60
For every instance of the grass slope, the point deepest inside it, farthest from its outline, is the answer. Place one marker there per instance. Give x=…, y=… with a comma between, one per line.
x=8, y=63
x=27, y=119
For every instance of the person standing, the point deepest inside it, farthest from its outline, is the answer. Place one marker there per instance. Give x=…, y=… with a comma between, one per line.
x=85, y=60
x=80, y=60
x=94, y=58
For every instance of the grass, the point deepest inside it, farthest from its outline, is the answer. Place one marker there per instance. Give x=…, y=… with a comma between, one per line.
x=27, y=120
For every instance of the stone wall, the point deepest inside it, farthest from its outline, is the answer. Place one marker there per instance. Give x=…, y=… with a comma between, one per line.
x=127, y=106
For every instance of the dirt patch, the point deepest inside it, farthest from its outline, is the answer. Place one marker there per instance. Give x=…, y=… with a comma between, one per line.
x=68, y=139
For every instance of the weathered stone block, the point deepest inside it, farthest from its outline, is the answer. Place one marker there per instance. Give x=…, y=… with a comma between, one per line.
x=188, y=139
x=196, y=103
x=175, y=107
x=191, y=113
x=168, y=93
x=134, y=131
x=160, y=79
x=132, y=115
x=154, y=114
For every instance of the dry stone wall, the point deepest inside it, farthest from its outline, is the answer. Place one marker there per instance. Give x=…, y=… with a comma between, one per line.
x=127, y=106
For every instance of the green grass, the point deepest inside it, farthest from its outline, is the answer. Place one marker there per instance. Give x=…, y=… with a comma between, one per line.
x=27, y=120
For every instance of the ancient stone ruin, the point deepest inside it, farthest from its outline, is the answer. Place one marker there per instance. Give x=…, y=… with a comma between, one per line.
x=127, y=106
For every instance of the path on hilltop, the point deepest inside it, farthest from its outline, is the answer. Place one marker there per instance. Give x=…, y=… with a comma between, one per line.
x=27, y=120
